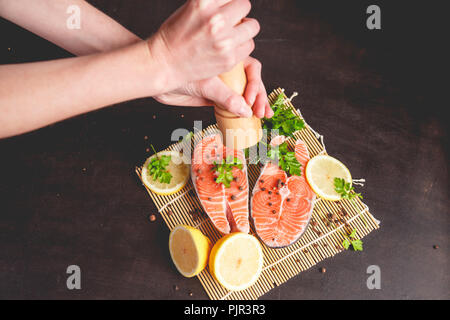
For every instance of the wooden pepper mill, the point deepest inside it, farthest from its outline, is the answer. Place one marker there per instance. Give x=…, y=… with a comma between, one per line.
x=238, y=133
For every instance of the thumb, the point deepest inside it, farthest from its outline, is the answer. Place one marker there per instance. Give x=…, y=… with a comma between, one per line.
x=215, y=90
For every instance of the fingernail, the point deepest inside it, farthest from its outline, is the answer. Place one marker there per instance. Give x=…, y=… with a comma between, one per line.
x=245, y=111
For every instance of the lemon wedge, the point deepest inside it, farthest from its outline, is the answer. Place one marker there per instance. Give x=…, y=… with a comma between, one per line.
x=189, y=249
x=178, y=168
x=320, y=173
x=236, y=261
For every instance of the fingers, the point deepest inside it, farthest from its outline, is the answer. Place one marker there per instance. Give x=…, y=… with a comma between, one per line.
x=253, y=72
x=228, y=35
x=268, y=109
x=234, y=11
x=215, y=90
x=182, y=100
x=240, y=45
x=245, y=31
x=243, y=51
x=259, y=107
x=255, y=92
x=204, y=4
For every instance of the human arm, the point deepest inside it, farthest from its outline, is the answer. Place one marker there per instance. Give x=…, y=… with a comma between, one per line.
x=100, y=33
x=33, y=95
x=48, y=19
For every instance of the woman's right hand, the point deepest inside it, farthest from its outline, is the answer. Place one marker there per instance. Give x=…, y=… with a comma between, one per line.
x=202, y=39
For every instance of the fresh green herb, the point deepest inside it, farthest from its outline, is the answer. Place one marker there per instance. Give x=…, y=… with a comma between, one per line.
x=224, y=170
x=351, y=240
x=286, y=159
x=353, y=234
x=157, y=168
x=345, y=189
x=346, y=244
x=247, y=152
x=283, y=119
x=357, y=245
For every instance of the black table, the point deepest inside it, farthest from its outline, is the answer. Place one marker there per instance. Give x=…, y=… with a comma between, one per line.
x=69, y=194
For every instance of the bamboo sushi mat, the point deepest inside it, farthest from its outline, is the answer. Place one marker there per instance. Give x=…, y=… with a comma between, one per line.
x=316, y=244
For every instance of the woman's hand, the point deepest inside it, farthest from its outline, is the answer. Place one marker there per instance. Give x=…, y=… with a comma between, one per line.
x=202, y=39
x=213, y=91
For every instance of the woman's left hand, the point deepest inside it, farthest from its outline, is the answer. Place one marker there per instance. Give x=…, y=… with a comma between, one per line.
x=213, y=91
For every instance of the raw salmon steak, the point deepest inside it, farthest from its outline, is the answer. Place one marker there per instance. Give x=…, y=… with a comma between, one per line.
x=282, y=205
x=226, y=207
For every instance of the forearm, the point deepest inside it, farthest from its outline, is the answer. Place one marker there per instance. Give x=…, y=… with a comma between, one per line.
x=33, y=95
x=48, y=19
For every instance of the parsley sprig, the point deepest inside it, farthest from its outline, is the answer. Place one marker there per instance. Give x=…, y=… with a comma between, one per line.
x=283, y=119
x=157, y=167
x=351, y=240
x=224, y=170
x=345, y=189
x=286, y=159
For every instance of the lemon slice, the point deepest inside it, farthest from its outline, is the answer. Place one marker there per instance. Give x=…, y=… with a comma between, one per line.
x=320, y=173
x=189, y=249
x=178, y=168
x=236, y=261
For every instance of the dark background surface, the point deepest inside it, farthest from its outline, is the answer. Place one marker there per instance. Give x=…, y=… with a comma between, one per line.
x=69, y=194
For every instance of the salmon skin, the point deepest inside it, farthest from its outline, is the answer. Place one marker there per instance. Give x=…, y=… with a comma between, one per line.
x=281, y=205
x=226, y=207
